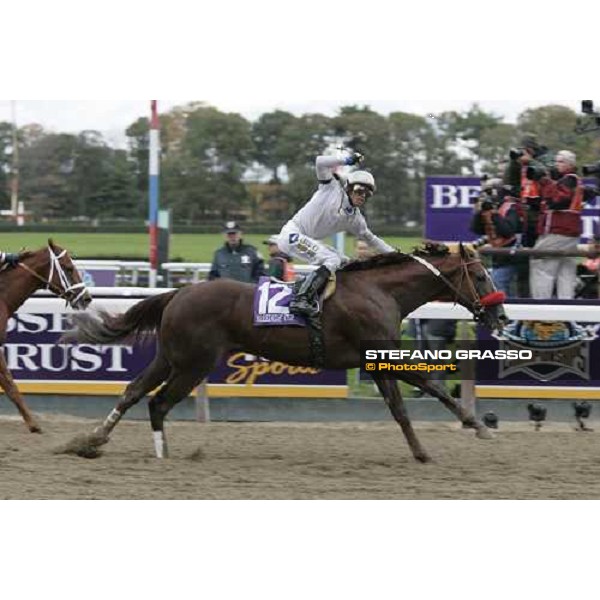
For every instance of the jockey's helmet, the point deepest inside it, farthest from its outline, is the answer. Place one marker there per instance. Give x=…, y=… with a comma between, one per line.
x=363, y=178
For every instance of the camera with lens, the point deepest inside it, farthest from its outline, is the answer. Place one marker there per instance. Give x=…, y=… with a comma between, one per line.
x=591, y=119
x=535, y=150
x=587, y=107
x=535, y=173
x=591, y=170
x=489, y=199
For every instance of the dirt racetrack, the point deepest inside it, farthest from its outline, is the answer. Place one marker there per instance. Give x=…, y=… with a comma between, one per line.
x=300, y=461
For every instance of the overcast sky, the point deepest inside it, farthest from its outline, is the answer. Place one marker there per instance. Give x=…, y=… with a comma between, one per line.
x=112, y=117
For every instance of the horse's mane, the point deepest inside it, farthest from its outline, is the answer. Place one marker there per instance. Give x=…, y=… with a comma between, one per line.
x=426, y=250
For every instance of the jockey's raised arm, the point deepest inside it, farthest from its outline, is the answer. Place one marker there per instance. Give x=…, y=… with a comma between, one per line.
x=326, y=165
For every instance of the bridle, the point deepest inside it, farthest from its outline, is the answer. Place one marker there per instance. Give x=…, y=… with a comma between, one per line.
x=70, y=292
x=476, y=303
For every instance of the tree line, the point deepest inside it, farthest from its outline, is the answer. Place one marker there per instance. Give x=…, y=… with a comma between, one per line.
x=217, y=165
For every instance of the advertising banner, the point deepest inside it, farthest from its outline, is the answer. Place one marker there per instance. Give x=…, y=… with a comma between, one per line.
x=565, y=362
x=449, y=204
x=39, y=364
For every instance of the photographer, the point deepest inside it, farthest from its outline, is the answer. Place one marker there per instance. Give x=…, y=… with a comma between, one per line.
x=559, y=228
x=533, y=156
x=498, y=216
x=529, y=154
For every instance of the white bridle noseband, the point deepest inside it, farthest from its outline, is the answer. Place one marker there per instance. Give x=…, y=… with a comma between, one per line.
x=68, y=290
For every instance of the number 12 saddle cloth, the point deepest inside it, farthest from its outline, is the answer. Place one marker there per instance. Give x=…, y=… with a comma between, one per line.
x=272, y=300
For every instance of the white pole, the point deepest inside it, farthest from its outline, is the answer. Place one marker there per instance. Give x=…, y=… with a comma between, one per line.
x=20, y=213
x=202, y=403
x=14, y=186
x=153, y=192
x=339, y=241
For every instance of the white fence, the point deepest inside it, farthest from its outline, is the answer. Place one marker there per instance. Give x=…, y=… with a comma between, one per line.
x=131, y=273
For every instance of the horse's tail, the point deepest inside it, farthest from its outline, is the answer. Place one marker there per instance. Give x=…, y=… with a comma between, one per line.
x=141, y=320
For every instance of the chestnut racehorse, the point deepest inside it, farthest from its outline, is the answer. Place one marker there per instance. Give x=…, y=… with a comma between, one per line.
x=52, y=268
x=199, y=324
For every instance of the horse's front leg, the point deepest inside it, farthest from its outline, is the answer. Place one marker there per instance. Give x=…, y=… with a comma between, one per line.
x=391, y=394
x=464, y=416
x=8, y=385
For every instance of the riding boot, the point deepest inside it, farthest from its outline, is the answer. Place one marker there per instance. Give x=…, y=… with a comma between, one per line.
x=306, y=293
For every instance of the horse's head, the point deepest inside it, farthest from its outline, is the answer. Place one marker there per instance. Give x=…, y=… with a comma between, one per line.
x=467, y=282
x=54, y=267
x=478, y=293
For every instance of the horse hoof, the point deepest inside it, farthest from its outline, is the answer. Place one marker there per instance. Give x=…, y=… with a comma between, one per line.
x=98, y=438
x=484, y=434
x=35, y=429
x=84, y=445
x=423, y=458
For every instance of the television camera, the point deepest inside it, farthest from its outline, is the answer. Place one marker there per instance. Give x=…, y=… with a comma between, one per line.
x=585, y=124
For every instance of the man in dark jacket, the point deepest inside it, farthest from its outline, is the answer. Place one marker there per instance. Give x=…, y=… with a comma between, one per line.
x=497, y=216
x=236, y=260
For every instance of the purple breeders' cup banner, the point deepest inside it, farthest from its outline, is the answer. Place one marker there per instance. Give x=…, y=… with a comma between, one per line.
x=449, y=205
x=33, y=354
x=271, y=304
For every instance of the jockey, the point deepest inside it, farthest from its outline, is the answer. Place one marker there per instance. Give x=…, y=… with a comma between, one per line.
x=11, y=260
x=333, y=208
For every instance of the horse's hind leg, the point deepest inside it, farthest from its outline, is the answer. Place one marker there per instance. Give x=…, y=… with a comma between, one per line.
x=177, y=387
x=464, y=416
x=391, y=394
x=12, y=391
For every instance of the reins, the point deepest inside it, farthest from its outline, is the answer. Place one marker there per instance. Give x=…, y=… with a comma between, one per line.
x=478, y=303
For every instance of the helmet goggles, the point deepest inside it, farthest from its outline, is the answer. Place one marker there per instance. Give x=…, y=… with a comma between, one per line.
x=361, y=190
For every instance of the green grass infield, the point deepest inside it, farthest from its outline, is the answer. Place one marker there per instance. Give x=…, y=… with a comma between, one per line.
x=184, y=246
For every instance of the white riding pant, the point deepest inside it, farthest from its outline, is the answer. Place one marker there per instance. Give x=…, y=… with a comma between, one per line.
x=293, y=242
x=546, y=272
